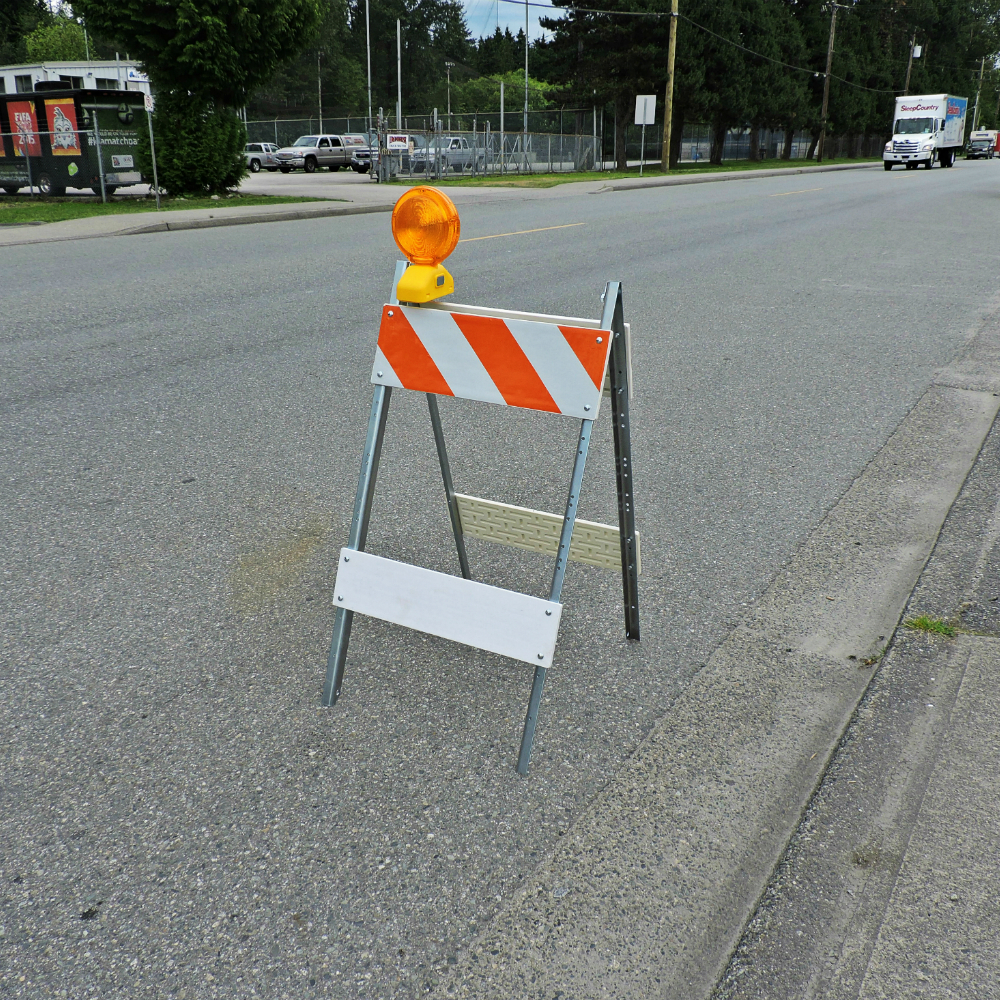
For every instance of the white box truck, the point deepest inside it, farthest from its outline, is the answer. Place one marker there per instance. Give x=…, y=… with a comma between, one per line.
x=926, y=128
x=982, y=144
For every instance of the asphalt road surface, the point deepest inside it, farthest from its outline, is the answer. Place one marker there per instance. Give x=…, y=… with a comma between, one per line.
x=183, y=416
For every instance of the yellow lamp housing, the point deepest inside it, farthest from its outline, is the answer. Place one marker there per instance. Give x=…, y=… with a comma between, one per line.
x=424, y=282
x=426, y=227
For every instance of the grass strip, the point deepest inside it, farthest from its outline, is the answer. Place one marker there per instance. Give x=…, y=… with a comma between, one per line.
x=547, y=180
x=22, y=209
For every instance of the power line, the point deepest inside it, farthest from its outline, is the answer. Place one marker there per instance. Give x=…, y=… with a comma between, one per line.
x=708, y=31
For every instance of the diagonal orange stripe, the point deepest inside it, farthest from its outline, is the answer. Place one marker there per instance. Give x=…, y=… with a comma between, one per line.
x=410, y=361
x=505, y=362
x=593, y=355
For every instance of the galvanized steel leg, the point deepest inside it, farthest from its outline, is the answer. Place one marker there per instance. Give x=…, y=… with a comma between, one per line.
x=614, y=320
x=359, y=532
x=562, y=558
x=449, y=488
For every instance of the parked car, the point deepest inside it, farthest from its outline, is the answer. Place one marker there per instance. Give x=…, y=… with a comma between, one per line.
x=360, y=148
x=261, y=154
x=451, y=152
x=309, y=152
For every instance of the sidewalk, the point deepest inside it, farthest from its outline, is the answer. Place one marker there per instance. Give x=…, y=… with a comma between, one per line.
x=700, y=834
x=889, y=888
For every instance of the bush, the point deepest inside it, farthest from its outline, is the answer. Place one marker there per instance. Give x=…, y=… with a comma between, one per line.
x=199, y=145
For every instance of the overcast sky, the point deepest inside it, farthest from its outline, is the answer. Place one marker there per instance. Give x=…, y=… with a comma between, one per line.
x=482, y=17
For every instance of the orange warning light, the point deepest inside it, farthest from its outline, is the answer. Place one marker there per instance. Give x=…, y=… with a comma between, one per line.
x=425, y=225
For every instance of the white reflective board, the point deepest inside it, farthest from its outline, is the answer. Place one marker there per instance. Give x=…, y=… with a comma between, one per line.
x=501, y=621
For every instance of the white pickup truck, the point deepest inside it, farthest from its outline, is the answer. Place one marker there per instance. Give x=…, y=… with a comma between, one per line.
x=926, y=128
x=982, y=144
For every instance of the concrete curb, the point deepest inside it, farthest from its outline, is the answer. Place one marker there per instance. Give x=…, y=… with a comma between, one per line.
x=246, y=220
x=131, y=228
x=649, y=893
x=733, y=175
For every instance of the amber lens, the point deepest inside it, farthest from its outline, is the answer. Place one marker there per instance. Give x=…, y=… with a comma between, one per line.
x=425, y=225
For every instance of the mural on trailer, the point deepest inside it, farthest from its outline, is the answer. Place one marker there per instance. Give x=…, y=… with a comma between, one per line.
x=62, y=126
x=24, y=126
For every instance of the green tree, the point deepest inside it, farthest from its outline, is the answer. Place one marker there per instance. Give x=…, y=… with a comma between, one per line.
x=433, y=32
x=204, y=58
x=292, y=90
x=18, y=18
x=218, y=49
x=482, y=94
x=62, y=39
x=194, y=145
x=501, y=52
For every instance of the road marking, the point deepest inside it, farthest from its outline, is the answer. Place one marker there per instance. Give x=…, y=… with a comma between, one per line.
x=521, y=232
x=783, y=194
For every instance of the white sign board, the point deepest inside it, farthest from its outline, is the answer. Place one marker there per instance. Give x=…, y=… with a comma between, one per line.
x=397, y=142
x=645, y=109
x=147, y=99
x=501, y=621
x=134, y=76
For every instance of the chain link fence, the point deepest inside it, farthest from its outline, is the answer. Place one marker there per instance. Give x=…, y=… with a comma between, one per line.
x=549, y=146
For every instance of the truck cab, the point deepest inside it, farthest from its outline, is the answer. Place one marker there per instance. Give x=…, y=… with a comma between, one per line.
x=926, y=128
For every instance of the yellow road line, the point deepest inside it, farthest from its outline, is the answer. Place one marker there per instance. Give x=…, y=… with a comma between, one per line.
x=521, y=232
x=783, y=194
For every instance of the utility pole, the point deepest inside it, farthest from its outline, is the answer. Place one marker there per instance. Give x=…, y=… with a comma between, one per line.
x=448, y=66
x=399, y=75
x=524, y=141
x=668, y=101
x=319, y=87
x=909, y=65
x=368, y=44
x=975, y=110
x=826, y=85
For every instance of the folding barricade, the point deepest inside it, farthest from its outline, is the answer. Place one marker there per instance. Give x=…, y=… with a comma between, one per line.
x=554, y=364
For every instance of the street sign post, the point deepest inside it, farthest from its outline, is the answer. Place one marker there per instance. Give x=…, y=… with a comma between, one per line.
x=645, y=114
x=148, y=102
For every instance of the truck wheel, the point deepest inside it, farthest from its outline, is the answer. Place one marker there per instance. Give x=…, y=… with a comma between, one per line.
x=10, y=189
x=929, y=163
x=255, y=166
x=47, y=188
x=310, y=165
x=887, y=166
x=946, y=158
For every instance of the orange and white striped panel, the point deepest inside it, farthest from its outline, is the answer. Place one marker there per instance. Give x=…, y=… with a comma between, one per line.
x=513, y=362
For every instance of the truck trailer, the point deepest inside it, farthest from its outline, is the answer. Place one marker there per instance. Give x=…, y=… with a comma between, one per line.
x=926, y=128
x=68, y=138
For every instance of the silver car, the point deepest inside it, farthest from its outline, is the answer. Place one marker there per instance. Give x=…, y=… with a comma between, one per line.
x=261, y=154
